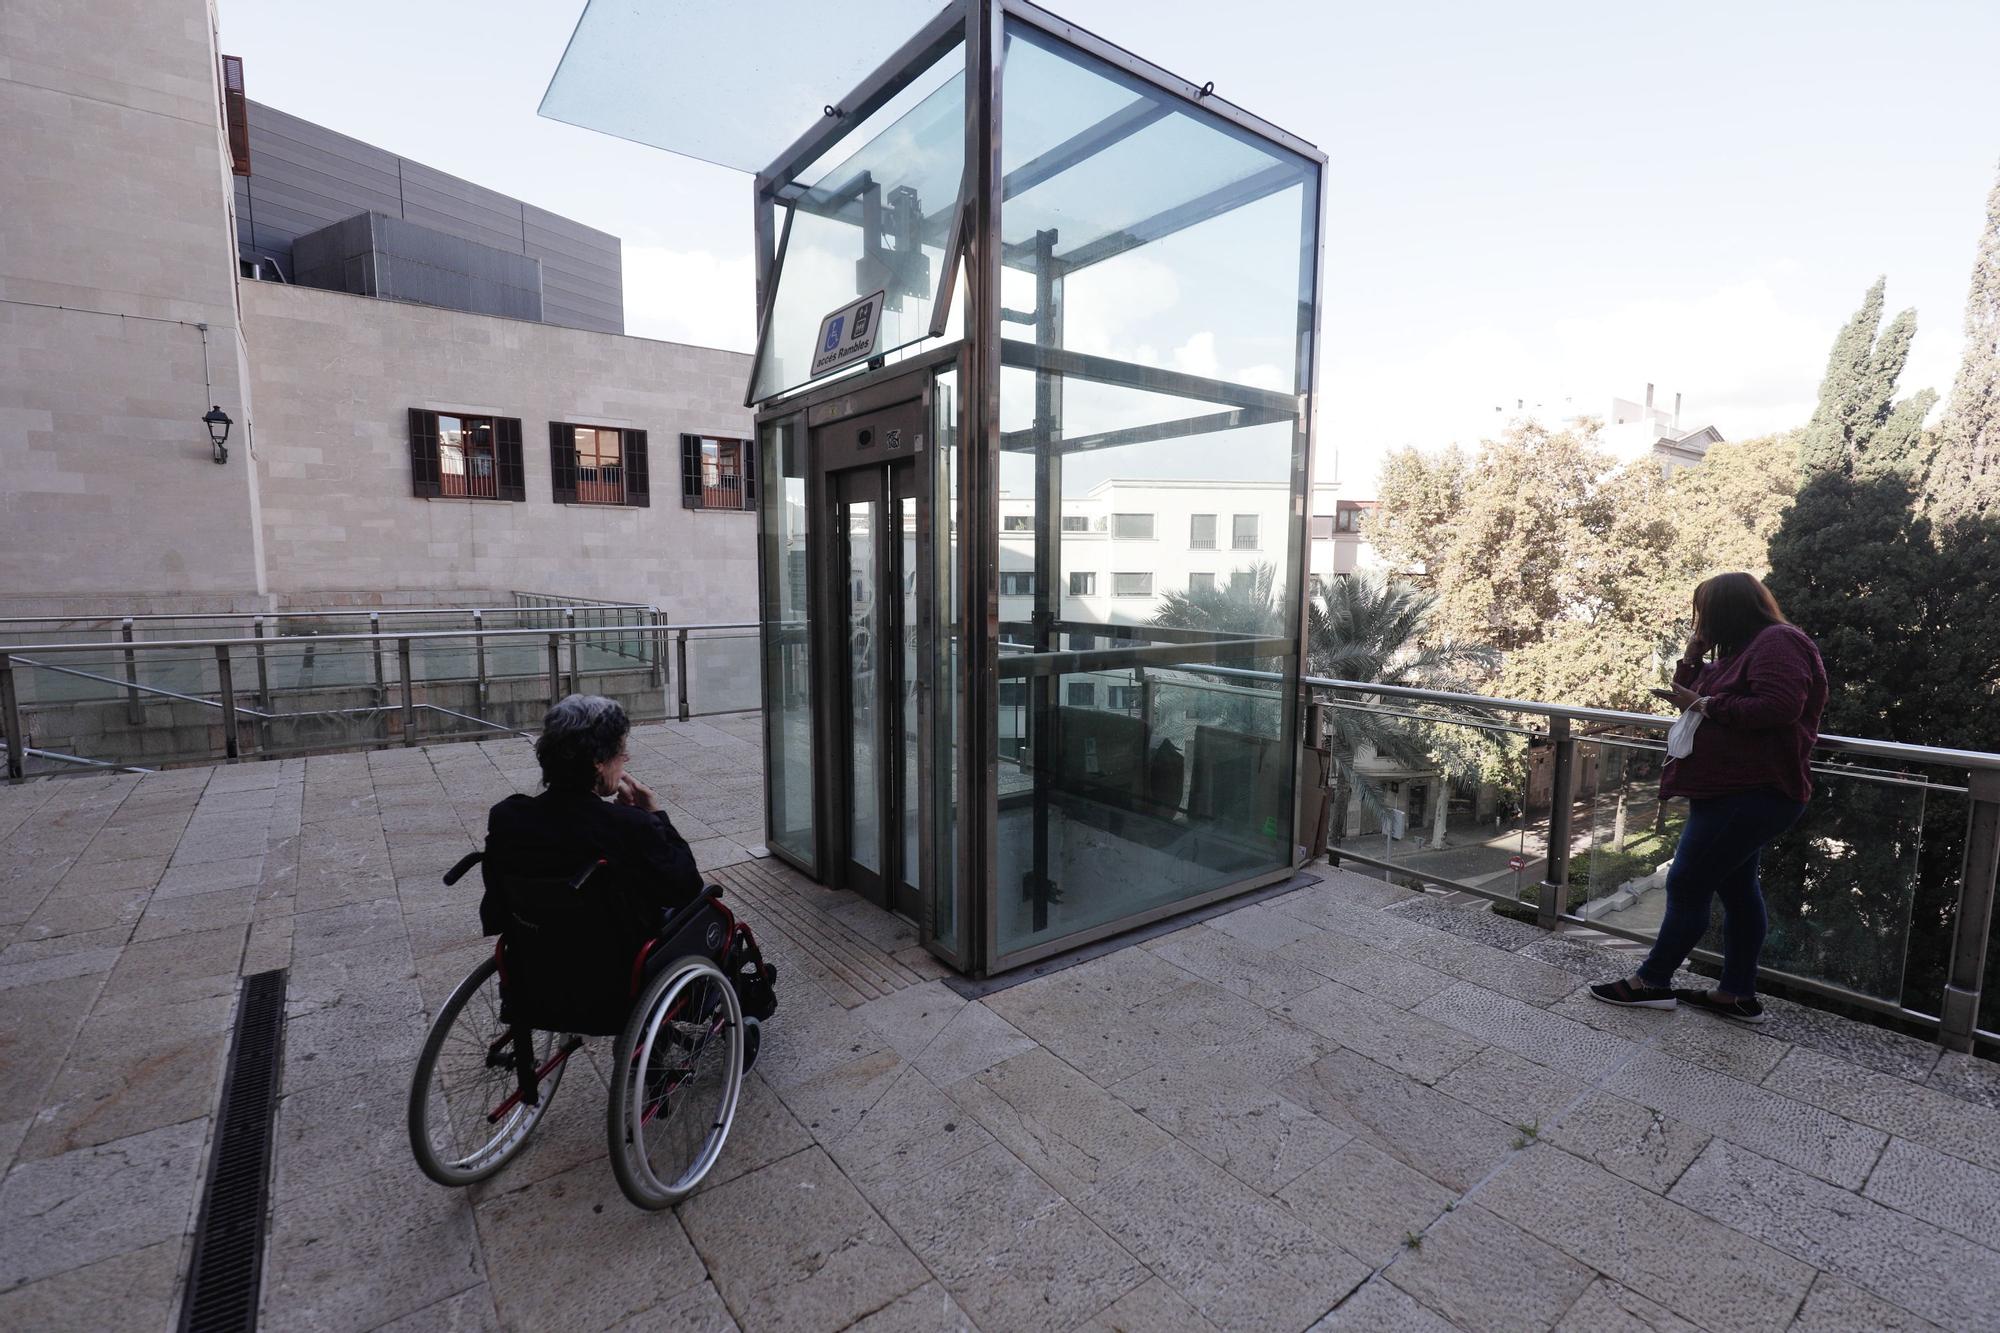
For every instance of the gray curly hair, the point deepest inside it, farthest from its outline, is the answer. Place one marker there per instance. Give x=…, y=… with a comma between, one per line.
x=579, y=733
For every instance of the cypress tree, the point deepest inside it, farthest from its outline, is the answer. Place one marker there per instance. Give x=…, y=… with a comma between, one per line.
x=1907, y=615
x=1965, y=481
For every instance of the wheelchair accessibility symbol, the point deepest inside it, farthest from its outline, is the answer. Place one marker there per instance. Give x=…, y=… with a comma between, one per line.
x=715, y=937
x=833, y=329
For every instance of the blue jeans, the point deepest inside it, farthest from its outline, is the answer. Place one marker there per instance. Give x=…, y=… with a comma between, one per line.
x=1717, y=858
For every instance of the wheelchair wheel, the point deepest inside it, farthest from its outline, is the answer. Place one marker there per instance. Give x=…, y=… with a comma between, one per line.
x=465, y=1076
x=675, y=1076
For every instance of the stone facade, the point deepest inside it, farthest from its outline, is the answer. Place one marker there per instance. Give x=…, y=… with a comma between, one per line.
x=335, y=376
x=116, y=244
x=122, y=319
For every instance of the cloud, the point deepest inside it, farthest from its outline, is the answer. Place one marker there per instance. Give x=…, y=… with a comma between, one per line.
x=690, y=296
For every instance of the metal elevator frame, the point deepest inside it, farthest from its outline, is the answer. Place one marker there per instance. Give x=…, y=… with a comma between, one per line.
x=974, y=247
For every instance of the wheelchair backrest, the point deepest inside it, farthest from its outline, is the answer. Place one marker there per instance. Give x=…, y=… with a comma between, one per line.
x=567, y=944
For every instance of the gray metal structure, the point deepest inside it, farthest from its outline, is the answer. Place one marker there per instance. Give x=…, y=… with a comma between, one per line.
x=1008, y=858
x=305, y=178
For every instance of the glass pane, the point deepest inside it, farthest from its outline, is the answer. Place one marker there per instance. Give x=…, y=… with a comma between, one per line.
x=722, y=673
x=912, y=760
x=877, y=221
x=730, y=84
x=787, y=651
x=1175, y=250
x=864, y=645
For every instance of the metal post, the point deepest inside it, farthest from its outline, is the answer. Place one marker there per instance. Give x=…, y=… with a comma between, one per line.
x=409, y=691
x=263, y=668
x=226, y=684
x=1972, y=932
x=381, y=681
x=681, y=671
x=555, y=669
x=133, y=714
x=479, y=652
x=655, y=620
x=1555, y=887
x=10, y=721
x=569, y=623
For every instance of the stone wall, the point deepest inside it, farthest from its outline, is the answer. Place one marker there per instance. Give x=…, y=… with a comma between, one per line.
x=335, y=376
x=116, y=242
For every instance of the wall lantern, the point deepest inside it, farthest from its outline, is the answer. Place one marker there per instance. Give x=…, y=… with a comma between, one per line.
x=218, y=424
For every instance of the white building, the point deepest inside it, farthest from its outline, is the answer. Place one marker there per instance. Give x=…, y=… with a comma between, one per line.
x=1126, y=544
x=1635, y=430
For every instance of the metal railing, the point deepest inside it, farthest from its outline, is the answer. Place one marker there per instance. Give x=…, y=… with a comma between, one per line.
x=204, y=675
x=1570, y=734
x=1884, y=841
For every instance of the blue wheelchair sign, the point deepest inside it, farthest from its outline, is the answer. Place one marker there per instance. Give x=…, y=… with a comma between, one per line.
x=833, y=329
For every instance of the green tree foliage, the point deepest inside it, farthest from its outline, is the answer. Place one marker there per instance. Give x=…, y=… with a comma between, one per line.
x=1964, y=480
x=1364, y=628
x=1907, y=616
x=1581, y=571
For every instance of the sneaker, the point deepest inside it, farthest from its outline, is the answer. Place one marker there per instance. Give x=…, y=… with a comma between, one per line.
x=1631, y=996
x=1743, y=1011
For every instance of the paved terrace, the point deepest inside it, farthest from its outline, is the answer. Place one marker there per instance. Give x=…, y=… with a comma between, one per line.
x=1345, y=1107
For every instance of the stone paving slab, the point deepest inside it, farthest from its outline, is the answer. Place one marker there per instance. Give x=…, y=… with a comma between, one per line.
x=1349, y=1106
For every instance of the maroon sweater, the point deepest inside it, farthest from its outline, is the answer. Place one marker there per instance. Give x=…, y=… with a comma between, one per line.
x=1763, y=712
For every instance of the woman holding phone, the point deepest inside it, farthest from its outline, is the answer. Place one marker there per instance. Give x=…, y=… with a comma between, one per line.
x=1759, y=685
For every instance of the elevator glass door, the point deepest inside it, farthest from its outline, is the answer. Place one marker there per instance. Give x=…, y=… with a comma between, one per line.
x=876, y=666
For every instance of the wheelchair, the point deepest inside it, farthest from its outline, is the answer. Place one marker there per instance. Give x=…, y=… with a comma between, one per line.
x=686, y=1012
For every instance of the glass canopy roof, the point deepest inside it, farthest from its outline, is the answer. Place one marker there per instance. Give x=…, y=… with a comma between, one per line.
x=731, y=84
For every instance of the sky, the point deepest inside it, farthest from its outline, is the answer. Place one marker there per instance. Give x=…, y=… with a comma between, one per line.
x=1546, y=203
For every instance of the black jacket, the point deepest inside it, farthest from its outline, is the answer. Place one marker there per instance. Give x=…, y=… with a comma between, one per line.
x=558, y=833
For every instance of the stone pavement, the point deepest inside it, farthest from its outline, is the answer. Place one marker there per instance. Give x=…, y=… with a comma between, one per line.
x=1347, y=1107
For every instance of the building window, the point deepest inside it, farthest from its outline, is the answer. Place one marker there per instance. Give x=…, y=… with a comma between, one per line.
x=1200, y=583
x=1201, y=532
x=1082, y=585
x=455, y=455
x=1076, y=523
x=1318, y=584
x=1124, y=698
x=1132, y=527
x=1013, y=694
x=1081, y=694
x=1239, y=583
x=1131, y=585
x=1322, y=527
x=1017, y=523
x=1017, y=584
x=1244, y=532
x=597, y=465
x=717, y=473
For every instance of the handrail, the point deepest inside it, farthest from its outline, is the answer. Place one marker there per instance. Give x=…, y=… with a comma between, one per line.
x=326, y=614
x=1916, y=754
x=157, y=645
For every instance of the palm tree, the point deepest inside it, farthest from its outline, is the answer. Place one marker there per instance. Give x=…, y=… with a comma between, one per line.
x=1364, y=628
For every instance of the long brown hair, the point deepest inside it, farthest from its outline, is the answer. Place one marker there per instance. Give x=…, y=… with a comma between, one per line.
x=1732, y=609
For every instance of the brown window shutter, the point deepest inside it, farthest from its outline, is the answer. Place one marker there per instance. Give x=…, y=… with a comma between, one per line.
x=423, y=453
x=749, y=452
x=513, y=475
x=638, y=471
x=236, y=114
x=690, y=471
x=562, y=462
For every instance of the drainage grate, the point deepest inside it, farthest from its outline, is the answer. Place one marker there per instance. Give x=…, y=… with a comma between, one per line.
x=227, y=1269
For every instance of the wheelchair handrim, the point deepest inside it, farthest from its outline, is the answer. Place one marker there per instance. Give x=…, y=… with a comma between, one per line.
x=718, y=1132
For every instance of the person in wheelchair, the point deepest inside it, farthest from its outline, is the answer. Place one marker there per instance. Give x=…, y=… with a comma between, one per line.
x=589, y=874
x=570, y=824
x=605, y=929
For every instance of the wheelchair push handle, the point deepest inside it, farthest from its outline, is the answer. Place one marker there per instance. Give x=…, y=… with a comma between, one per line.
x=465, y=863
